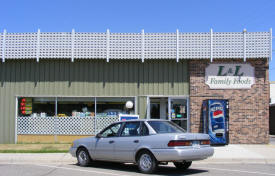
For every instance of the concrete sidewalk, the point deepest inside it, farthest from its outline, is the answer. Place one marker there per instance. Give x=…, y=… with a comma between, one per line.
x=223, y=154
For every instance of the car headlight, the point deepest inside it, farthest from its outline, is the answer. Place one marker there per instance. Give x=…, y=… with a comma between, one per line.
x=72, y=144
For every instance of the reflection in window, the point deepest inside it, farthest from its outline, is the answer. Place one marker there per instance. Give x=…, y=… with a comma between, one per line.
x=76, y=107
x=131, y=129
x=111, y=131
x=113, y=106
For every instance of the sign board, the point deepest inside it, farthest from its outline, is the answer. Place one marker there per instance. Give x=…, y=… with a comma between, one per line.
x=229, y=76
x=123, y=117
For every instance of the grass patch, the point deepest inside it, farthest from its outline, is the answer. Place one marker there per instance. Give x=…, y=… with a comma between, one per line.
x=34, y=151
x=34, y=148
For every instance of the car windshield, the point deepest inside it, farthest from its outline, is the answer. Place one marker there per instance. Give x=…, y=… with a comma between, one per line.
x=165, y=127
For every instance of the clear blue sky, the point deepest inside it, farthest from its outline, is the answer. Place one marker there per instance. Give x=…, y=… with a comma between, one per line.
x=134, y=15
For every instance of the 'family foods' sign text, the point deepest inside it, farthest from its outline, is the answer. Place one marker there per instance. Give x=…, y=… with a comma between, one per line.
x=229, y=76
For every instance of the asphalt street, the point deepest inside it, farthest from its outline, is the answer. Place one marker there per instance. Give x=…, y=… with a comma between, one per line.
x=113, y=169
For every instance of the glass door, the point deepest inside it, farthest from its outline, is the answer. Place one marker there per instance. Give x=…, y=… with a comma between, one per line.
x=157, y=108
x=178, y=111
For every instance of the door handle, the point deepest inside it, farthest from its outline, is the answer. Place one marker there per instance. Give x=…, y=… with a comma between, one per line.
x=136, y=141
x=110, y=142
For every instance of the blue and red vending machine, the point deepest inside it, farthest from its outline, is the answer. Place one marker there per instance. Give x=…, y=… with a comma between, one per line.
x=215, y=113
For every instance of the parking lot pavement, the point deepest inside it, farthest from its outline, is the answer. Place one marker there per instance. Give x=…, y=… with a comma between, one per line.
x=113, y=169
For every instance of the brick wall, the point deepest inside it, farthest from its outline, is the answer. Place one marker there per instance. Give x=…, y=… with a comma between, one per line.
x=248, y=108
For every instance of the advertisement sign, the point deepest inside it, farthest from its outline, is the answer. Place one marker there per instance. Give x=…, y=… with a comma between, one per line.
x=229, y=76
x=217, y=121
x=123, y=117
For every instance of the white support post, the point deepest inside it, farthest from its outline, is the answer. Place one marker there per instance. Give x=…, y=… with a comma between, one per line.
x=4, y=45
x=72, y=49
x=211, y=45
x=177, y=45
x=142, y=45
x=38, y=45
x=244, y=45
x=270, y=44
x=108, y=45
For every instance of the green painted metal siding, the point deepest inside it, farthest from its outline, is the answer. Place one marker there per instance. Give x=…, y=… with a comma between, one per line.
x=86, y=78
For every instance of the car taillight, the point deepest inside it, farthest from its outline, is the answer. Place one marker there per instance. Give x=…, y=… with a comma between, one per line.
x=205, y=142
x=179, y=143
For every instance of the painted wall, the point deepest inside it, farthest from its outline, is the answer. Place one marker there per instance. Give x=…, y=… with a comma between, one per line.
x=86, y=78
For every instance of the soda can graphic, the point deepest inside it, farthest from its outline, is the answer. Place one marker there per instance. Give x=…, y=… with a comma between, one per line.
x=217, y=117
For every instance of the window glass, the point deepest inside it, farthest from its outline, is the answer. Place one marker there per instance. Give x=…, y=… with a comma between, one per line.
x=113, y=106
x=131, y=129
x=144, y=130
x=179, y=109
x=111, y=131
x=165, y=127
x=76, y=107
x=36, y=107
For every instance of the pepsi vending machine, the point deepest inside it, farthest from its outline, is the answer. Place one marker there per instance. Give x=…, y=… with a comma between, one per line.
x=215, y=113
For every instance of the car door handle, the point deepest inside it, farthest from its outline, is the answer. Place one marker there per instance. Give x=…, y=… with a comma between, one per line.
x=110, y=142
x=136, y=141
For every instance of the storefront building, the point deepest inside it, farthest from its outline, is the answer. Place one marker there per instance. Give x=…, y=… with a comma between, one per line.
x=56, y=87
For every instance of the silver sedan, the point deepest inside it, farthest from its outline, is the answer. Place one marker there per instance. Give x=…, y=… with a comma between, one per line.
x=146, y=143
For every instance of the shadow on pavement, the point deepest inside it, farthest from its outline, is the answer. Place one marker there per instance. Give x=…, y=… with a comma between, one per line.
x=162, y=170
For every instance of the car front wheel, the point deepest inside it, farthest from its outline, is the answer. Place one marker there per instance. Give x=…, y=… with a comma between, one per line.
x=183, y=165
x=146, y=162
x=83, y=157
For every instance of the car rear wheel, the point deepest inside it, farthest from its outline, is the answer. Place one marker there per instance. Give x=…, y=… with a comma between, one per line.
x=146, y=162
x=183, y=165
x=83, y=157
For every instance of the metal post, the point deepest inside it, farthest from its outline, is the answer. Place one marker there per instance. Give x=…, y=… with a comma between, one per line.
x=270, y=44
x=108, y=45
x=177, y=45
x=95, y=125
x=148, y=108
x=72, y=49
x=55, y=106
x=4, y=45
x=16, y=115
x=169, y=108
x=244, y=45
x=38, y=45
x=142, y=45
x=211, y=45
x=136, y=105
x=55, y=121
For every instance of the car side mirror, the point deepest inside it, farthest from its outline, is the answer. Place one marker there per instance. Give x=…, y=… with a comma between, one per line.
x=98, y=135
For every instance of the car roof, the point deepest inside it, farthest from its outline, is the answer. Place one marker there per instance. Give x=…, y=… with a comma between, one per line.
x=141, y=120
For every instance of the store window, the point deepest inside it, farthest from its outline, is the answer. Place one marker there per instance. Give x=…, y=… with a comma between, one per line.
x=75, y=107
x=36, y=107
x=113, y=106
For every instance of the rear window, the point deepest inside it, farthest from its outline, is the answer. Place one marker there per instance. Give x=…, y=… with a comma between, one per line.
x=165, y=127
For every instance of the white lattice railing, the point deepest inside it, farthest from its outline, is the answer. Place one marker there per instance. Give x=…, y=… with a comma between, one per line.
x=63, y=125
x=79, y=45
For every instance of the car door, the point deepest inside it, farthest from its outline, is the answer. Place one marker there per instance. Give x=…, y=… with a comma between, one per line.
x=128, y=141
x=105, y=145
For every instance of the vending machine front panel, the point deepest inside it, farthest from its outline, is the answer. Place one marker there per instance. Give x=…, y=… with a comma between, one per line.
x=217, y=121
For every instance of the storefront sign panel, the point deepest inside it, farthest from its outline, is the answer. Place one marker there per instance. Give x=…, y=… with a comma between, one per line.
x=124, y=117
x=229, y=76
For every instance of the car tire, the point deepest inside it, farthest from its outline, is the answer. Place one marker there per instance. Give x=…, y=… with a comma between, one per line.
x=183, y=165
x=146, y=162
x=83, y=157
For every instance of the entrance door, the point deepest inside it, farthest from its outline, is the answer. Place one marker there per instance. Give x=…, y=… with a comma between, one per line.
x=178, y=112
x=172, y=108
x=158, y=108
